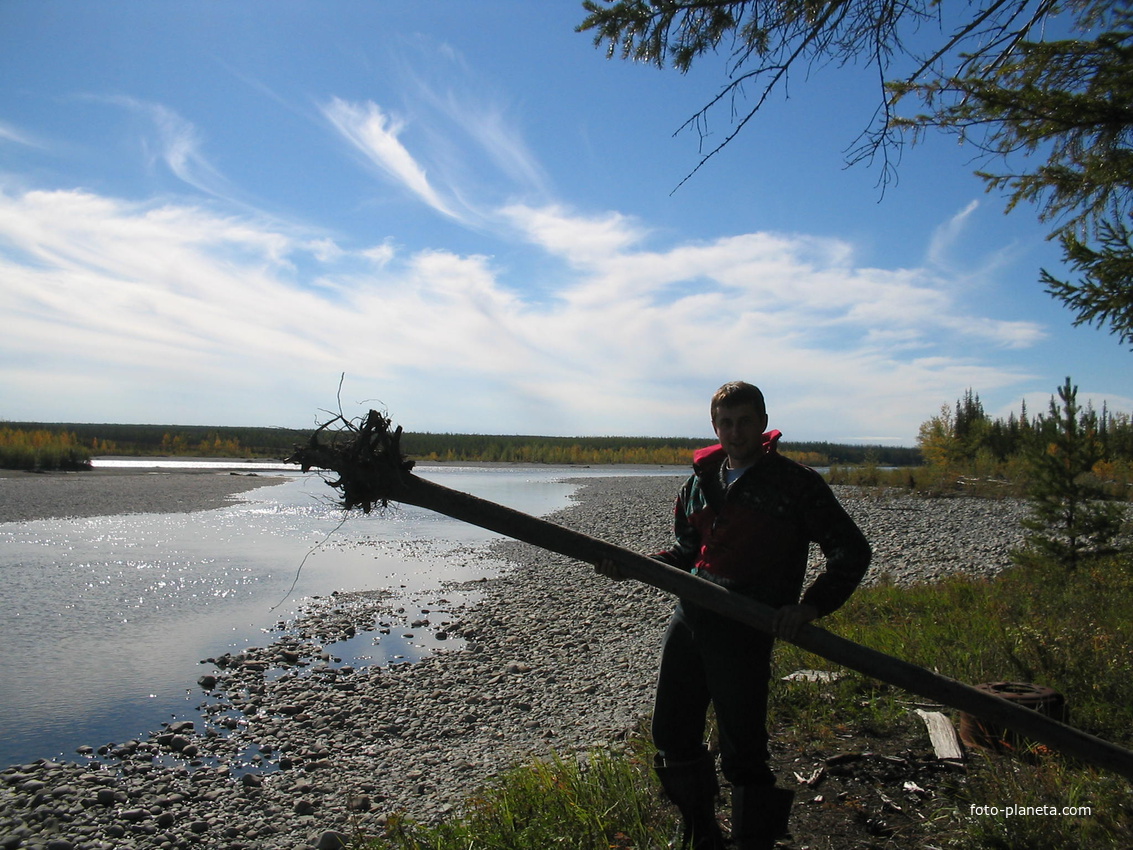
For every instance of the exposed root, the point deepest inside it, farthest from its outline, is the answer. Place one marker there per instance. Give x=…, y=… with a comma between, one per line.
x=366, y=457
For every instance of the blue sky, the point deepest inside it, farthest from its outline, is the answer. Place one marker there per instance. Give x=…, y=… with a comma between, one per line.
x=210, y=212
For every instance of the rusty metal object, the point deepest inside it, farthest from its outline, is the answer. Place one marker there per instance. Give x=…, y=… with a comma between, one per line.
x=990, y=735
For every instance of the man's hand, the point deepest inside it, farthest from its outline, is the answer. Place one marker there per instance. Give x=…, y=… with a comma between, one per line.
x=609, y=569
x=786, y=621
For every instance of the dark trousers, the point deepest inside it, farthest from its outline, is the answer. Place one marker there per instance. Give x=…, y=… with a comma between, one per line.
x=709, y=659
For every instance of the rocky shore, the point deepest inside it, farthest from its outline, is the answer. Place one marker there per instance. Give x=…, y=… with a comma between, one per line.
x=295, y=748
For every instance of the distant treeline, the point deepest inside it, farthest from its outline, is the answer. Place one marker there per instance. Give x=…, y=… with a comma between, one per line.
x=175, y=440
x=650, y=450
x=535, y=449
x=220, y=441
x=834, y=454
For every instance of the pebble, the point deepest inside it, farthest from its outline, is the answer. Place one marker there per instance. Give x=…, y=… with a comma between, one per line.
x=296, y=751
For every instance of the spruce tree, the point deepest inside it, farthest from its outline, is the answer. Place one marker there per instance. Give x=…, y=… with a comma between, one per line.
x=1069, y=517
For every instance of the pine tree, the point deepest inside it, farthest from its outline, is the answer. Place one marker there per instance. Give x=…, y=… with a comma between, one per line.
x=1069, y=518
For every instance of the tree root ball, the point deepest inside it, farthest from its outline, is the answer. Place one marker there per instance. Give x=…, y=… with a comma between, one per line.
x=366, y=457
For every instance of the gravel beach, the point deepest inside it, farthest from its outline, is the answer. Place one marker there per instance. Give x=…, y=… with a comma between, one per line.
x=293, y=748
x=104, y=492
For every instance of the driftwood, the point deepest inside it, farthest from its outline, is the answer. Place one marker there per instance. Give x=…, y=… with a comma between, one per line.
x=372, y=471
x=945, y=741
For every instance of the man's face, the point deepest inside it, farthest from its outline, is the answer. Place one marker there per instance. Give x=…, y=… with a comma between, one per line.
x=740, y=431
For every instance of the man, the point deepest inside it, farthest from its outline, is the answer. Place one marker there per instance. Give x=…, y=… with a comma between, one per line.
x=745, y=520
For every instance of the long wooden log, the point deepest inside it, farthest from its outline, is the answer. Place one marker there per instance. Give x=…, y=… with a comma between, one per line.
x=398, y=484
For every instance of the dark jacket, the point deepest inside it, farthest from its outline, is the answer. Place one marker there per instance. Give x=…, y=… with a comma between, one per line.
x=754, y=536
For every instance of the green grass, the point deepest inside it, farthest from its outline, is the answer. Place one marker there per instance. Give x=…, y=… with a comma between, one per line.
x=1073, y=632
x=600, y=801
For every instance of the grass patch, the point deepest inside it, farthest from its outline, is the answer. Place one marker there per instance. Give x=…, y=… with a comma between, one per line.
x=1002, y=481
x=598, y=802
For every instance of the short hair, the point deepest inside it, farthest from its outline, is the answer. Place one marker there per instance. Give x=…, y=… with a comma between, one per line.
x=738, y=392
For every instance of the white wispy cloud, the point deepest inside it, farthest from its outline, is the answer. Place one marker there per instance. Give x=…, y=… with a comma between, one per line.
x=8, y=133
x=580, y=240
x=949, y=254
x=474, y=131
x=485, y=131
x=375, y=134
x=468, y=150
x=176, y=143
x=946, y=236
x=630, y=340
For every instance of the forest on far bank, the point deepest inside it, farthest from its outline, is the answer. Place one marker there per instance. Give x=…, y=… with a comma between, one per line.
x=38, y=445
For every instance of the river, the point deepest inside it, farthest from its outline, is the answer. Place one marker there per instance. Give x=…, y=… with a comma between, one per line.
x=105, y=620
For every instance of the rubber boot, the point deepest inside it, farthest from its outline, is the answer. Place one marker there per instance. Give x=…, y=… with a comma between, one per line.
x=692, y=788
x=760, y=815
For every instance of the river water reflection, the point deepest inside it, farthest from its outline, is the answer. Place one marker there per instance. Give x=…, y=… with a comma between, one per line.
x=106, y=619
